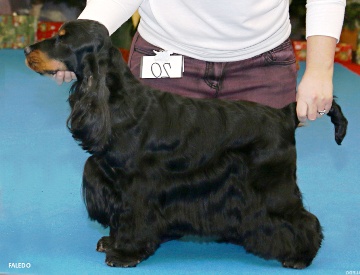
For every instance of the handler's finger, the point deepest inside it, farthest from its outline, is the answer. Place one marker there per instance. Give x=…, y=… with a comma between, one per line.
x=69, y=76
x=312, y=111
x=301, y=110
x=59, y=77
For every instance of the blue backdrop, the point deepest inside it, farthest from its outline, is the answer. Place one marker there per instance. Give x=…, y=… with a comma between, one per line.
x=43, y=221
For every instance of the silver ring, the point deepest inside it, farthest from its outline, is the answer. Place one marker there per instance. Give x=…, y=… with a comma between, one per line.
x=322, y=112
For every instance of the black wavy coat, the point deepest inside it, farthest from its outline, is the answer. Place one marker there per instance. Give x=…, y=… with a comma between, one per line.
x=163, y=165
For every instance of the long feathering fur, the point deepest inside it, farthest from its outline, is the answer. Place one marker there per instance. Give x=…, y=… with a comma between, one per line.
x=89, y=121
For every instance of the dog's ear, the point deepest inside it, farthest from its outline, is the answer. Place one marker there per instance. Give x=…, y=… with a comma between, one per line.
x=89, y=121
x=100, y=38
x=82, y=38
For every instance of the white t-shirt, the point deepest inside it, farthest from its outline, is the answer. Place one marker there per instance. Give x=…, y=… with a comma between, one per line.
x=218, y=31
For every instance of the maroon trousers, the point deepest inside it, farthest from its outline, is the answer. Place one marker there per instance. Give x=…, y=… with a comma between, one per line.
x=269, y=78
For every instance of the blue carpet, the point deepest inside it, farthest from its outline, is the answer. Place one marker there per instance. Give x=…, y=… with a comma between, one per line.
x=43, y=222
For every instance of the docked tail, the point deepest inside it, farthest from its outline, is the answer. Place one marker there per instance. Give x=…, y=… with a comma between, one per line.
x=337, y=118
x=340, y=122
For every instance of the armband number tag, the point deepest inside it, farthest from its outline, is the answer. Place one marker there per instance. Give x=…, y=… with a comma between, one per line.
x=152, y=67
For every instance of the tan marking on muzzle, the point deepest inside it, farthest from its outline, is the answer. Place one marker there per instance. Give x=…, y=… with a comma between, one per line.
x=41, y=63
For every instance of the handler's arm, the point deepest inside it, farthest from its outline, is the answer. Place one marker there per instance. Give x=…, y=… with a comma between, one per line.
x=111, y=13
x=323, y=27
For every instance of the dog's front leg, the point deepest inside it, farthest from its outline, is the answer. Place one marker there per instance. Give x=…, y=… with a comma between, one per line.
x=98, y=194
x=129, y=245
x=107, y=242
x=117, y=203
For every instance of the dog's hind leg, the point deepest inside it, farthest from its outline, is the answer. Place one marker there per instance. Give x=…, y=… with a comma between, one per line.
x=294, y=243
x=307, y=240
x=282, y=229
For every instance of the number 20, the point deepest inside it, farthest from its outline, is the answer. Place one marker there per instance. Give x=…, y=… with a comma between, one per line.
x=157, y=69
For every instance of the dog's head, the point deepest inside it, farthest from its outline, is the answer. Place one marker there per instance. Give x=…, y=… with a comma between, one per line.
x=84, y=47
x=68, y=48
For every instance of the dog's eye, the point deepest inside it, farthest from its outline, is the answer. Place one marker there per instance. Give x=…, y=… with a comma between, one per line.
x=60, y=35
x=62, y=32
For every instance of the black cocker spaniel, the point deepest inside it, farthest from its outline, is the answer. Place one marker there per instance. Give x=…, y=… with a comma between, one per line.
x=162, y=165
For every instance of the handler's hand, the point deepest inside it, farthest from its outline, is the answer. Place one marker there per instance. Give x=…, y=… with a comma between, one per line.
x=315, y=91
x=62, y=76
x=315, y=94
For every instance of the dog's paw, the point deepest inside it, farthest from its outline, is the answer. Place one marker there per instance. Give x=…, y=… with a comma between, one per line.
x=104, y=244
x=114, y=260
x=295, y=264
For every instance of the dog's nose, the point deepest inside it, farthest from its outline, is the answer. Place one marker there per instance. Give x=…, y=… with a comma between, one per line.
x=27, y=50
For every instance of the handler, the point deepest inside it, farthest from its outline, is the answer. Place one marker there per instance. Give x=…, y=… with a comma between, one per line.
x=233, y=49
